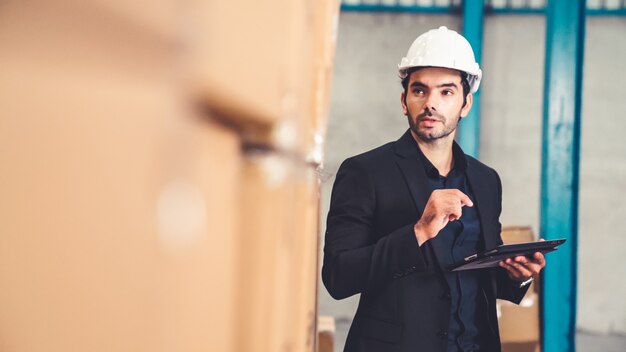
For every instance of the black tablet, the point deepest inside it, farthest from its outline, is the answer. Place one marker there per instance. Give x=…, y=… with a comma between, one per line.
x=492, y=257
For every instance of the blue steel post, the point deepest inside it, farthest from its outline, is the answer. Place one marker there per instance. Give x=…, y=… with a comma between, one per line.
x=565, y=33
x=469, y=131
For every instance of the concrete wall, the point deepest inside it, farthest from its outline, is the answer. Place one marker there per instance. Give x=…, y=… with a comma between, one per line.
x=365, y=112
x=602, y=242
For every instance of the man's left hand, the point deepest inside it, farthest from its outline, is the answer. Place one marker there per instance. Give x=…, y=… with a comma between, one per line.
x=522, y=268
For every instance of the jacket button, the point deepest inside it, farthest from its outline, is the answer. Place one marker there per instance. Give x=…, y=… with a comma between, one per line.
x=444, y=296
x=443, y=334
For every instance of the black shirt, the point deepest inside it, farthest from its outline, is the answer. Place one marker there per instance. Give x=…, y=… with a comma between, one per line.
x=457, y=240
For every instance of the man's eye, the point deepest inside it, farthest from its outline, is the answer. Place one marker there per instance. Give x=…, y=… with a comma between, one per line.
x=418, y=91
x=447, y=92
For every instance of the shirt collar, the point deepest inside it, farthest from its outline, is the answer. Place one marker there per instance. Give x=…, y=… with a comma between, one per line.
x=460, y=161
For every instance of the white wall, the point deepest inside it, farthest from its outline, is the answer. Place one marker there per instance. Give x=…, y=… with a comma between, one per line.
x=602, y=241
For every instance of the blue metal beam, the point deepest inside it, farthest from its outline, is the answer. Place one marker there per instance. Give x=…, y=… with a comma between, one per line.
x=455, y=9
x=515, y=11
x=469, y=131
x=398, y=8
x=565, y=31
x=607, y=12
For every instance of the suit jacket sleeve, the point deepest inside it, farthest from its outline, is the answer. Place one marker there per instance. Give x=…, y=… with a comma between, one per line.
x=355, y=258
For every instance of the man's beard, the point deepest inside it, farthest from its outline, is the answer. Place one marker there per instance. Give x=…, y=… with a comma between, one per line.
x=430, y=135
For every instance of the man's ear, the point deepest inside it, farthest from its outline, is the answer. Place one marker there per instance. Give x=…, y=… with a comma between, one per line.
x=405, y=111
x=468, y=105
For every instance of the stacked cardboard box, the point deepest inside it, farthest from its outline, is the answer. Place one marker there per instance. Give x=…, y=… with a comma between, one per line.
x=519, y=324
x=326, y=334
x=283, y=131
x=159, y=190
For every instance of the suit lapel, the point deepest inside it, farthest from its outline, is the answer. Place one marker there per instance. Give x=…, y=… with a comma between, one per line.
x=414, y=174
x=412, y=169
x=482, y=194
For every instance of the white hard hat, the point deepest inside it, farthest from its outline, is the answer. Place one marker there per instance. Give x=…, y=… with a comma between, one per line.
x=443, y=47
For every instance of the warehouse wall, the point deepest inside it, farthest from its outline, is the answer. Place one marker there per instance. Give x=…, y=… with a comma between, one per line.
x=601, y=286
x=365, y=113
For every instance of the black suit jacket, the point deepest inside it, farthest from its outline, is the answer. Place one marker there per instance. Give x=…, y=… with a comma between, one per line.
x=371, y=249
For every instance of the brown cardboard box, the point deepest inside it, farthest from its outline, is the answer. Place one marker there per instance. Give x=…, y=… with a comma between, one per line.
x=250, y=46
x=277, y=255
x=312, y=129
x=130, y=220
x=306, y=218
x=286, y=63
x=517, y=234
x=519, y=324
x=326, y=334
x=324, y=22
x=277, y=49
x=283, y=51
x=119, y=206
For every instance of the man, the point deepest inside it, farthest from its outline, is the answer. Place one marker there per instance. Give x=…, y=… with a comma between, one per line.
x=402, y=213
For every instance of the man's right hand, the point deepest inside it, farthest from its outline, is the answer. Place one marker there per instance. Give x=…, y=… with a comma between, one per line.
x=443, y=206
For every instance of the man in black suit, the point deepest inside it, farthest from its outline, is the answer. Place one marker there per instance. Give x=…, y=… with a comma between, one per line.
x=402, y=213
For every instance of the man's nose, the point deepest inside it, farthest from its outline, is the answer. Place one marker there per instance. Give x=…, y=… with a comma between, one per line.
x=431, y=103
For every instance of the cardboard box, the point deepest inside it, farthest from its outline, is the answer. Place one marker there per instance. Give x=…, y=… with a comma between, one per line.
x=517, y=234
x=244, y=46
x=278, y=254
x=519, y=324
x=287, y=62
x=130, y=219
x=119, y=205
x=326, y=334
x=324, y=17
x=306, y=249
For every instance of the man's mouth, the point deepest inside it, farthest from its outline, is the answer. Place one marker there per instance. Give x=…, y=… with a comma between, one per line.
x=429, y=120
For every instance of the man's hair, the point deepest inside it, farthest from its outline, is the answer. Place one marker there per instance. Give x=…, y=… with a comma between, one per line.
x=464, y=83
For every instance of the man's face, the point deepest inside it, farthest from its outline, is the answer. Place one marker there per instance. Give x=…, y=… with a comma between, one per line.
x=434, y=103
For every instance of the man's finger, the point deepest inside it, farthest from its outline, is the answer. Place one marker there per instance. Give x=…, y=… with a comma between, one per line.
x=538, y=258
x=455, y=213
x=512, y=271
x=521, y=259
x=522, y=268
x=465, y=200
x=533, y=267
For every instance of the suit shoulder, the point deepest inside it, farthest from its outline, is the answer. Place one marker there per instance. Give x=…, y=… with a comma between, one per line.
x=374, y=156
x=480, y=166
